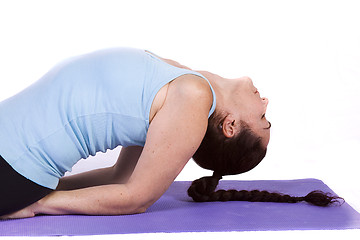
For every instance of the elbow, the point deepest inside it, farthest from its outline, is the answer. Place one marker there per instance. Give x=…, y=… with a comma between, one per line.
x=140, y=205
x=140, y=210
x=143, y=205
x=139, y=202
x=130, y=208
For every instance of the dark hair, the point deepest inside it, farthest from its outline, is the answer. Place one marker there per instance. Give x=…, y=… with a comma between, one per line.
x=228, y=156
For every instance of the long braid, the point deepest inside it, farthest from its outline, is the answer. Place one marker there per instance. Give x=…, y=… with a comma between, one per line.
x=203, y=190
x=239, y=154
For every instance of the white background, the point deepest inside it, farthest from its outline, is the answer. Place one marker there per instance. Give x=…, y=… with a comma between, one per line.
x=303, y=55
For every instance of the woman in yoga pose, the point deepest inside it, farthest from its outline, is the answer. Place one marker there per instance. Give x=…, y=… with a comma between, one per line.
x=160, y=112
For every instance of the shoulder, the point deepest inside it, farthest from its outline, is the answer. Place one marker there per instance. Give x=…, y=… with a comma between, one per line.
x=190, y=87
x=187, y=90
x=188, y=102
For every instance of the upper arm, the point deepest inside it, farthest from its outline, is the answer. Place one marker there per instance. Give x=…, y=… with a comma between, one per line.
x=126, y=163
x=174, y=135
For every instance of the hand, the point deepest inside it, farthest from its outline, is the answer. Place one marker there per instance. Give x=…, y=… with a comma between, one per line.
x=29, y=211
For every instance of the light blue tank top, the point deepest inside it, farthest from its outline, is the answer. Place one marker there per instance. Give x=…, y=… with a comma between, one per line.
x=84, y=105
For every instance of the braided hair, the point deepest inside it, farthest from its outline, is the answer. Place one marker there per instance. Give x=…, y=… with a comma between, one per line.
x=228, y=156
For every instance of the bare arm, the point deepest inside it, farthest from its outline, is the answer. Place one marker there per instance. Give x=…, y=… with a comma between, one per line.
x=119, y=173
x=171, y=141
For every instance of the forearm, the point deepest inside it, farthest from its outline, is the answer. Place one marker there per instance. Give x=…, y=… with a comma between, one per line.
x=119, y=173
x=97, y=177
x=112, y=199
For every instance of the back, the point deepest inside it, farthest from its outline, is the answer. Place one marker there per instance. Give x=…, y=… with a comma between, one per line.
x=86, y=104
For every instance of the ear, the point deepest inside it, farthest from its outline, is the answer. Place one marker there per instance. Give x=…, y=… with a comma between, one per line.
x=229, y=127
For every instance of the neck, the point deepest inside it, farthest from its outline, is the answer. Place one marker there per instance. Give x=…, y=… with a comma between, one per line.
x=221, y=87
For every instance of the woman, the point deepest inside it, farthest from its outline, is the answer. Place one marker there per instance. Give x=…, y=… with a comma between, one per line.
x=157, y=109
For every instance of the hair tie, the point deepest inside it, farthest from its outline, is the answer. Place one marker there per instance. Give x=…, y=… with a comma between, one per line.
x=217, y=175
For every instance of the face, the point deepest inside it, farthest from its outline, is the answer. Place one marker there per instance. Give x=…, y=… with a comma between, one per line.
x=251, y=107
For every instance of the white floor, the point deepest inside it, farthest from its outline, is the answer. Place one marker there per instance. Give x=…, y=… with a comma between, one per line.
x=303, y=55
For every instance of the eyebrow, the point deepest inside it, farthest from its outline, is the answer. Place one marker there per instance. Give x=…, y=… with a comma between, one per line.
x=268, y=126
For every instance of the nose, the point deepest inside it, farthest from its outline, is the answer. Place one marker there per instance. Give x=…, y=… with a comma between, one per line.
x=265, y=101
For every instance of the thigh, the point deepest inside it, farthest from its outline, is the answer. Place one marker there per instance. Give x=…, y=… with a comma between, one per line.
x=16, y=191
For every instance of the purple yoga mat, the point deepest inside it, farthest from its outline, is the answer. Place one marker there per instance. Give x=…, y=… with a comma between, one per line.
x=176, y=212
